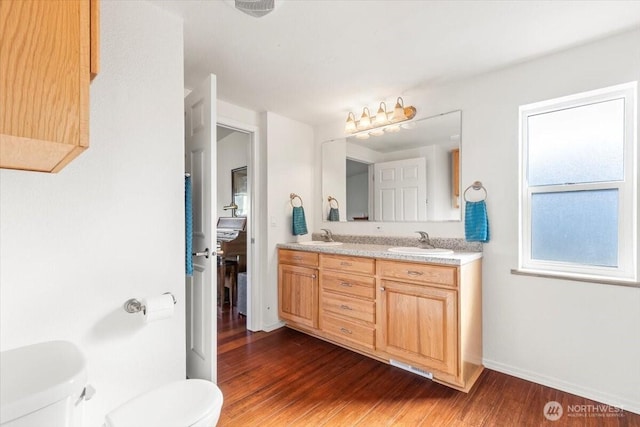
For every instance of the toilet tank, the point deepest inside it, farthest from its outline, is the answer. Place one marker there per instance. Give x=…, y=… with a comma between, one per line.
x=42, y=385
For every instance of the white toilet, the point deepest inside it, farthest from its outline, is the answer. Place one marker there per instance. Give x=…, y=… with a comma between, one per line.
x=45, y=384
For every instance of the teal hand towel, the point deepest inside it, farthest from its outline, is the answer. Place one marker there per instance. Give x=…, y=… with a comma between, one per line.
x=476, y=222
x=299, y=222
x=334, y=214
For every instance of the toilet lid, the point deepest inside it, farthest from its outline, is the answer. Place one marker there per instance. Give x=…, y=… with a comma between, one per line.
x=178, y=404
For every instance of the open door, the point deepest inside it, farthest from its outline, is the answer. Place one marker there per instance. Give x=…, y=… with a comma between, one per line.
x=200, y=162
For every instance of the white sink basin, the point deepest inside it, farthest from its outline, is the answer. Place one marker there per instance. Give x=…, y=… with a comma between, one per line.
x=409, y=250
x=319, y=243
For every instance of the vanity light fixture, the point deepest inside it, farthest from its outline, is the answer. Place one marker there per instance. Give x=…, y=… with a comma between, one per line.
x=382, y=122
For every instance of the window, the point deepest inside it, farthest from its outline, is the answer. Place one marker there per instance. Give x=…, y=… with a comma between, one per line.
x=578, y=185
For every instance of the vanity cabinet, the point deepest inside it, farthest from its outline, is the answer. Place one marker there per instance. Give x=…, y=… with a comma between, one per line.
x=417, y=315
x=424, y=315
x=48, y=54
x=347, y=300
x=298, y=287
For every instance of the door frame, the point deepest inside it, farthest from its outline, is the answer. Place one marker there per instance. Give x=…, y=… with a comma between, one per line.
x=255, y=233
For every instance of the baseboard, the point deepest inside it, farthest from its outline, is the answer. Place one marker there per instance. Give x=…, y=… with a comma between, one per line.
x=273, y=327
x=598, y=396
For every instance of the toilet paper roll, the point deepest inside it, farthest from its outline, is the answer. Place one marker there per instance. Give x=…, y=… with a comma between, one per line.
x=157, y=308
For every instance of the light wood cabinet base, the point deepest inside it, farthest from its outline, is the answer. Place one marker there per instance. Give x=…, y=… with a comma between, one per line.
x=427, y=317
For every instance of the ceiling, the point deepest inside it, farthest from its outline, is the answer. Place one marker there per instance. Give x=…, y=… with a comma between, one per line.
x=316, y=60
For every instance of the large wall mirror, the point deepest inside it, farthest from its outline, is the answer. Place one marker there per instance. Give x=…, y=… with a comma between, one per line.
x=409, y=175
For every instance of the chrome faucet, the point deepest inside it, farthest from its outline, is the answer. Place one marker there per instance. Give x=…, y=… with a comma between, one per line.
x=327, y=236
x=425, y=241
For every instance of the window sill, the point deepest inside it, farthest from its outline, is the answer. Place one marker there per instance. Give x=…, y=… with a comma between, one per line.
x=602, y=281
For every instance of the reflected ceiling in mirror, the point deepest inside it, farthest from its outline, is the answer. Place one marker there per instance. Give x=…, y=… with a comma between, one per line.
x=411, y=175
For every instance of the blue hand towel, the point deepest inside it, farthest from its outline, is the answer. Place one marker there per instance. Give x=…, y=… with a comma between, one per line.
x=476, y=222
x=334, y=214
x=299, y=222
x=188, y=226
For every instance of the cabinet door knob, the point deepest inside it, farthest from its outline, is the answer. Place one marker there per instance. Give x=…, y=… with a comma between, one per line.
x=414, y=273
x=382, y=288
x=345, y=307
x=345, y=330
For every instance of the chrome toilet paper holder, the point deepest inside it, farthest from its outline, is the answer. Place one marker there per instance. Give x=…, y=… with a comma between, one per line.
x=134, y=306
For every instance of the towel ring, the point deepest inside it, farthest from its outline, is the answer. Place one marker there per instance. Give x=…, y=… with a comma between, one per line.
x=293, y=196
x=477, y=186
x=333, y=199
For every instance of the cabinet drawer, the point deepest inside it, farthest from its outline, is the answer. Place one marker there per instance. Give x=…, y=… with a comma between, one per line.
x=423, y=273
x=348, y=264
x=309, y=259
x=350, y=331
x=358, y=286
x=351, y=307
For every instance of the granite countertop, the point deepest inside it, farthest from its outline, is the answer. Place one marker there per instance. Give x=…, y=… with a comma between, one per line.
x=381, y=252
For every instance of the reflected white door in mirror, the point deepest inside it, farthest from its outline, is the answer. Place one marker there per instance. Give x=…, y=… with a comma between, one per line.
x=411, y=175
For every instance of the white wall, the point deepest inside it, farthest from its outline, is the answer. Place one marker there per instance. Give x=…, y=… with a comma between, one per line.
x=290, y=158
x=76, y=245
x=334, y=173
x=232, y=153
x=580, y=337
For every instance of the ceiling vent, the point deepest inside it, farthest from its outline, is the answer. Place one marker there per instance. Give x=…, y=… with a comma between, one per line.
x=255, y=8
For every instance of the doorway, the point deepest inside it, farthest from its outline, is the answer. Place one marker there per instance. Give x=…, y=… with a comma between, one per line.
x=234, y=201
x=245, y=136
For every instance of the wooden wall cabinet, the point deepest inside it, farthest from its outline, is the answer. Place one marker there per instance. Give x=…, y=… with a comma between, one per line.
x=48, y=54
x=428, y=316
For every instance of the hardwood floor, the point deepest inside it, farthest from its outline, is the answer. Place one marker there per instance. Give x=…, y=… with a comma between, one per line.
x=285, y=378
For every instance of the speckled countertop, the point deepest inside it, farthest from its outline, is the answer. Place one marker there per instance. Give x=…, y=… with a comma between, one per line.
x=381, y=251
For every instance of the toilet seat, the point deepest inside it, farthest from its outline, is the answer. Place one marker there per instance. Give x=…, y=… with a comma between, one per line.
x=184, y=403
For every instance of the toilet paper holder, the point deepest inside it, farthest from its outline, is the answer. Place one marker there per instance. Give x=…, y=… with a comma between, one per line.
x=134, y=306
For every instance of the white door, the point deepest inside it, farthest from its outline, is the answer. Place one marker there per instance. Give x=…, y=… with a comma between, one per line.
x=401, y=190
x=200, y=162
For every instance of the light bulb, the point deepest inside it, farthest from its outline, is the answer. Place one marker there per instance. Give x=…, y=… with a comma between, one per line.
x=350, y=126
x=365, y=120
x=398, y=111
x=381, y=115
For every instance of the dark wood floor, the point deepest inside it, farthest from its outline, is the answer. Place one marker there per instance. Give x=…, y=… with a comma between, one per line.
x=285, y=378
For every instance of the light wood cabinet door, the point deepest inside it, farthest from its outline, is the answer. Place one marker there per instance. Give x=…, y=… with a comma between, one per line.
x=298, y=294
x=417, y=325
x=46, y=60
